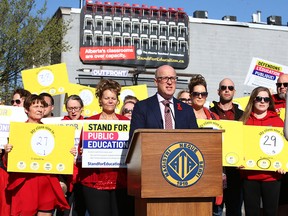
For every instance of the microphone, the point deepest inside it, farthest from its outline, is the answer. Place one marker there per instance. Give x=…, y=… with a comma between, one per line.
x=170, y=110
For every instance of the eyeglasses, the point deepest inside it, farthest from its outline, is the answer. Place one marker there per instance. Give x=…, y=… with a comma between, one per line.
x=197, y=94
x=260, y=99
x=166, y=79
x=125, y=111
x=280, y=85
x=185, y=100
x=76, y=109
x=17, y=101
x=223, y=88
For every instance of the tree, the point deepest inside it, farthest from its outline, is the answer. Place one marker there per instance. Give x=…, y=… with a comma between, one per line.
x=27, y=39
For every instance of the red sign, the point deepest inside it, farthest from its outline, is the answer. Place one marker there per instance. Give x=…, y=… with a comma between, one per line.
x=107, y=53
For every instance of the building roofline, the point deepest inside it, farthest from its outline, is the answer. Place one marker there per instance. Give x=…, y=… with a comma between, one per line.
x=260, y=25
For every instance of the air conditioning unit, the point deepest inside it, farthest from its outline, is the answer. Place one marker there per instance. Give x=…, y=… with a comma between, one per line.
x=229, y=18
x=200, y=14
x=274, y=20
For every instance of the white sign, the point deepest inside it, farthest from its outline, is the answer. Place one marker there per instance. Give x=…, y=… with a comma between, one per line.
x=9, y=114
x=117, y=73
x=78, y=124
x=105, y=143
x=264, y=73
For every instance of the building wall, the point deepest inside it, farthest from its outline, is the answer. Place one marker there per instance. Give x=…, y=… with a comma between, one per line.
x=218, y=49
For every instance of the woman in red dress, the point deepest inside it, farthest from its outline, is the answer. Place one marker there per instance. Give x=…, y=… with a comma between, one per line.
x=31, y=193
x=105, y=189
x=4, y=207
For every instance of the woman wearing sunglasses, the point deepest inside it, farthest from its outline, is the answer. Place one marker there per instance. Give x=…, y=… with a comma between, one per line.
x=198, y=94
x=184, y=96
x=127, y=109
x=260, y=111
x=19, y=96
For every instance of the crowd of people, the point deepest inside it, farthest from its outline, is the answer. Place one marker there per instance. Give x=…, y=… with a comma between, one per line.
x=103, y=191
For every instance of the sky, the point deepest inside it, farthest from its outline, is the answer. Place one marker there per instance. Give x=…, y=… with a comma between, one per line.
x=242, y=9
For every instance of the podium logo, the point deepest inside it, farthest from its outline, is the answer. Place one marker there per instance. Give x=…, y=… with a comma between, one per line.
x=182, y=164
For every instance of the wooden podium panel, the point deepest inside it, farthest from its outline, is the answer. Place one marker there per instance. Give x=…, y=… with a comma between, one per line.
x=173, y=207
x=153, y=192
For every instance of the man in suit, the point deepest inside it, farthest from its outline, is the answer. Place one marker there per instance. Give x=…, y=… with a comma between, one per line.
x=150, y=113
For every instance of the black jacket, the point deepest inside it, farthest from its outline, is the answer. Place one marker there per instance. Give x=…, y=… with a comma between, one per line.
x=216, y=109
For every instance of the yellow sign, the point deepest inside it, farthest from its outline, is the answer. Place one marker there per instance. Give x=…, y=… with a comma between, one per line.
x=52, y=79
x=242, y=102
x=139, y=91
x=91, y=104
x=254, y=147
x=282, y=113
x=40, y=148
x=232, y=139
x=77, y=124
x=265, y=148
x=87, y=94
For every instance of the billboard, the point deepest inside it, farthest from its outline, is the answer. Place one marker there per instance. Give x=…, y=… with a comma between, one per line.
x=115, y=34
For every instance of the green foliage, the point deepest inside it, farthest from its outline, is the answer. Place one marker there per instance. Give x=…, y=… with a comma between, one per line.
x=27, y=39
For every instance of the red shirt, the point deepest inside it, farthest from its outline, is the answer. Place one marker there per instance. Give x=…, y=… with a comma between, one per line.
x=71, y=179
x=226, y=114
x=102, y=178
x=68, y=118
x=279, y=102
x=4, y=207
x=210, y=115
x=271, y=119
x=30, y=192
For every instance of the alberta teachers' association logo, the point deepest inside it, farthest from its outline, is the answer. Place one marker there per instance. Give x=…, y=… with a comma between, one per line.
x=182, y=164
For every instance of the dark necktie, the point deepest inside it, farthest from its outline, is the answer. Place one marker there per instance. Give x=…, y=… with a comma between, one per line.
x=167, y=115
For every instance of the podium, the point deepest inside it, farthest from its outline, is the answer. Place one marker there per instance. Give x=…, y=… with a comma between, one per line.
x=159, y=192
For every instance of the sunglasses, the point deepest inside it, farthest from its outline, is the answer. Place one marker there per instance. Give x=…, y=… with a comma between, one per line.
x=260, y=99
x=126, y=111
x=17, y=101
x=223, y=88
x=197, y=94
x=280, y=84
x=185, y=100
